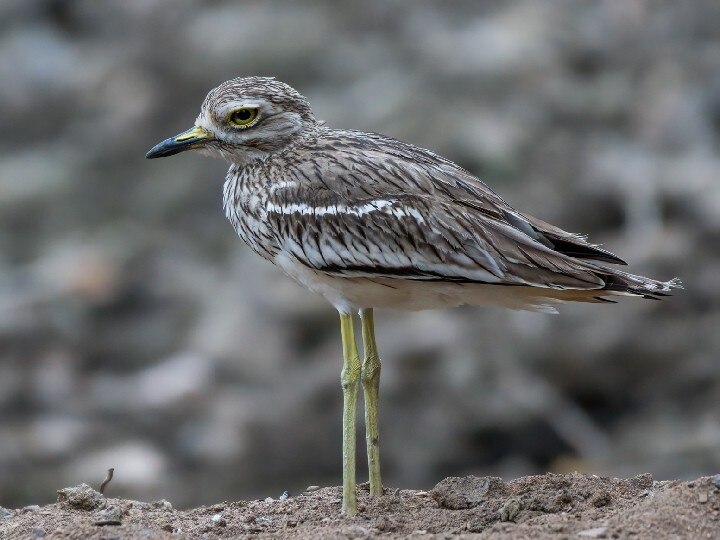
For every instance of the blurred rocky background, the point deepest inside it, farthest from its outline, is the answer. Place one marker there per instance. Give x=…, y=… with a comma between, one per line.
x=137, y=332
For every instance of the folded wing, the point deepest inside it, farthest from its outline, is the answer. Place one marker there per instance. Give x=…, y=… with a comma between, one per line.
x=389, y=209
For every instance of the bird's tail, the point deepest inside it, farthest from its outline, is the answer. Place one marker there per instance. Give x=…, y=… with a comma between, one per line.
x=618, y=282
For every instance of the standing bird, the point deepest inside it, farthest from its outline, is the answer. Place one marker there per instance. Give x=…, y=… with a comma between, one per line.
x=368, y=222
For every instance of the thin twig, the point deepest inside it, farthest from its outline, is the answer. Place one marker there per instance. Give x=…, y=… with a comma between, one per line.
x=107, y=480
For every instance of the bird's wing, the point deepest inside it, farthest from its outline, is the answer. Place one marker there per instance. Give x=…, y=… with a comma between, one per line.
x=382, y=208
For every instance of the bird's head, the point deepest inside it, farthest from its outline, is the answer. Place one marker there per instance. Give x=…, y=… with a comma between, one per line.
x=243, y=120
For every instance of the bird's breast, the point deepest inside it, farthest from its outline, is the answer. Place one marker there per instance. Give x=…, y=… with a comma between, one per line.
x=244, y=201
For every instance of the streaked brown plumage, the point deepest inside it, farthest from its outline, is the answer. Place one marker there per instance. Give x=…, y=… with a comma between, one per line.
x=369, y=221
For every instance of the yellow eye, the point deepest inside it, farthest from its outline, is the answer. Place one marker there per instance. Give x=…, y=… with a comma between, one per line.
x=243, y=117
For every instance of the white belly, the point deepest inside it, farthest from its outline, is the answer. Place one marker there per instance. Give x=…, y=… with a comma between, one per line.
x=350, y=294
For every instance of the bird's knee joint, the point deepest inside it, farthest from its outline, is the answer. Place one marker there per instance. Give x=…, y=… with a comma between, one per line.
x=350, y=375
x=371, y=370
x=368, y=378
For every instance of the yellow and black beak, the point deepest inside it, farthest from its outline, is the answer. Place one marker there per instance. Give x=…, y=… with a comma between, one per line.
x=187, y=140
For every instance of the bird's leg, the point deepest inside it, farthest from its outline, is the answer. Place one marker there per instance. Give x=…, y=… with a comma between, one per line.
x=349, y=381
x=371, y=390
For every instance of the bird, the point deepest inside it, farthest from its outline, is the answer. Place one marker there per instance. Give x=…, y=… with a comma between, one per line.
x=370, y=222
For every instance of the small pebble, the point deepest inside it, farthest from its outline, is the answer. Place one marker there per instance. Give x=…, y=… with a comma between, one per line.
x=703, y=497
x=284, y=496
x=31, y=508
x=162, y=503
x=81, y=497
x=716, y=480
x=312, y=488
x=5, y=513
x=422, y=494
x=510, y=510
x=269, y=499
x=112, y=515
x=39, y=533
x=597, y=532
x=219, y=521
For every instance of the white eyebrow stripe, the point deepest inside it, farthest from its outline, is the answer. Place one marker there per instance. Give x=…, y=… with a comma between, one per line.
x=335, y=209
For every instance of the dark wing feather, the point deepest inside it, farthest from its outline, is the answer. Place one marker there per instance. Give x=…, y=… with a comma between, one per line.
x=571, y=244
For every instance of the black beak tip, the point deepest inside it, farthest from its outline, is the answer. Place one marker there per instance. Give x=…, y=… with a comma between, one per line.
x=171, y=146
x=157, y=151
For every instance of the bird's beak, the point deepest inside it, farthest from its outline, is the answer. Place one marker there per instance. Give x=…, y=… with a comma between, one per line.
x=187, y=140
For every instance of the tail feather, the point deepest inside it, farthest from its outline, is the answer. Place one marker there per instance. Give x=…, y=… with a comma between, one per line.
x=619, y=282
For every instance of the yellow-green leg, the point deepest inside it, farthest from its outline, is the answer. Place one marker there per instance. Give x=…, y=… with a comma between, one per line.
x=371, y=391
x=349, y=381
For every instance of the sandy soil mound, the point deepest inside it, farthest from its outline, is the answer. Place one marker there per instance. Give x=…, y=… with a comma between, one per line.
x=548, y=506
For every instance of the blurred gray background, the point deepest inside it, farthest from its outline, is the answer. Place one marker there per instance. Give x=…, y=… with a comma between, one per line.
x=137, y=331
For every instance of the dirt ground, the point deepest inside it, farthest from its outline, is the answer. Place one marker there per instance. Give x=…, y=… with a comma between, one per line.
x=547, y=506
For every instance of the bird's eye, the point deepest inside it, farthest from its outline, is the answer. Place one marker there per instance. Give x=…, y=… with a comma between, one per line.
x=243, y=117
